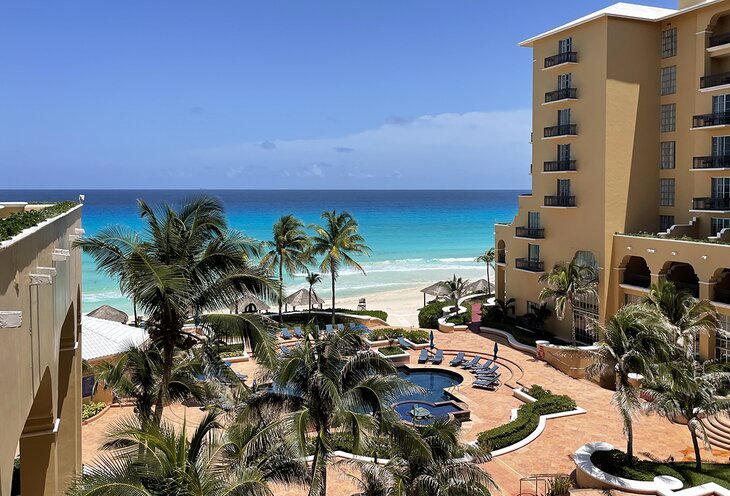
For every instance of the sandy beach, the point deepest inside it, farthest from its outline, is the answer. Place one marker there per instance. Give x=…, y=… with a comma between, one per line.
x=402, y=305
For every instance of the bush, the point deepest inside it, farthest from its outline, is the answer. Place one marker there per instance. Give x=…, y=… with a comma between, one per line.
x=390, y=350
x=614, y=462
x=428, y=316
x=88, y=410
x=538, y=392
x=15, y=223
x=417, y=337
x=382, y=334
x=462, y=318
x=528, y=417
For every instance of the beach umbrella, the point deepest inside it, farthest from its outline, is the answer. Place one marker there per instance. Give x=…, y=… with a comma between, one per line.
x=432, y=345
x=105, y=312
x=496, y=350
x=479, y=286
x=301, y=299
x=437, y=289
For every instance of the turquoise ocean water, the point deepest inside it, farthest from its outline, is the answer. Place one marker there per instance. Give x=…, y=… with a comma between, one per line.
x=417, y=237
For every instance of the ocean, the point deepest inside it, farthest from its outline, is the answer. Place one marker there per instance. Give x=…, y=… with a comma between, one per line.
x=417, y=237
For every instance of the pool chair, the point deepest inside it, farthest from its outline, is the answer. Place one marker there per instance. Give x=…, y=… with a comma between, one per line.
x=487, y=383
x=283, y=350
x=330, y=328
x=438, y=357
x=351, y=324
x=340, y=327
x=242, y=377
x=423, y=357
x=472, y=363
x=285, y=333
x=403, y=344
x=458, y=359
x=298, y=332
x=487, y=372
x=487, y=363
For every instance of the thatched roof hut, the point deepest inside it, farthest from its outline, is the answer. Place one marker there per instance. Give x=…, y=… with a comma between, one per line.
x=479, y=286
x=301, y=299
x=249, y=303
x=438, y=289
x=106, y=312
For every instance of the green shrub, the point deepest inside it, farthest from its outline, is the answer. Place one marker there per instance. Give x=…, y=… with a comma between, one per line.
x=559, y=486
x=17, y=222
x=417, y=337
x=88, y=410
x=614, y=462
x=382, y=334
x=428, y=316
x=390, y=350
x=462, y=318
x=537, y=391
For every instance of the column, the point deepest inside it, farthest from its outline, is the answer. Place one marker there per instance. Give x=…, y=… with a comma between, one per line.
x=38, y=458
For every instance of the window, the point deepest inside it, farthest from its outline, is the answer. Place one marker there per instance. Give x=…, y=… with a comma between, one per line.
x=668, y=116
x=565, y=81
x=720, y=104
x=666, y=154
x=585, y=314
x=721, y=187
x=665, y=222
x=565, y=45
x=533, y=253
x=563, y=187
x=669, y=80
x=669, y=43
x=563, y=153
x=666, y=192
x=722, y=344
x=563, y=117
x=720, y=146
x=717, y=224
x=533, y=220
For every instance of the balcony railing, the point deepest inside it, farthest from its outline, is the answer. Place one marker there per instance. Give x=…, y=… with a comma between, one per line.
x=559, y=166
x=714, y=119
x=560, y=201
x=561, y=130
x=561, y=94
x=561, y=58
x=719, y=39
x=711, y=204
x=712, y=162
x=531, y=265
x=721, y=295
x=530, y=232
x=715, y=80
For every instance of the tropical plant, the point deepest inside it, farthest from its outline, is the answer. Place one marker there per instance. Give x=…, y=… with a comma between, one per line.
x=559, y=486
x=337, y=240
x=488, y=257
x=288, y=249
x=324, y=386
x=567, y=282
x=186, y=262
x=538, y=315
x=500, y=310
x=456, y=287
x=160, y=461
x=631, y=341
x=312, y=279
x=688, y=316
x=426, y=461
x=688, y=390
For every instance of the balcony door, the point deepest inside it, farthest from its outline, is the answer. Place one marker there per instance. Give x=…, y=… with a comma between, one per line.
x=565, y=45
x=533, y=253
x=720, y=146
x=533, y=220
x=563, y=153
x=563, y=117
x=564, y=81
x=721, y=104
x=721, y=187
x=563, y=187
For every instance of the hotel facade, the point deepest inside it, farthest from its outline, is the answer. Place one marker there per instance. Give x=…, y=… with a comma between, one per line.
x=630, y=162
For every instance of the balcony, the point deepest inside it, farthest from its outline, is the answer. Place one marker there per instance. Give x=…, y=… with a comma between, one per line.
x=561, y=94
x=709, y=120
x=559, y=166
x=712, y=162
x=561, y=130
x=501, y=258
x=715, y=204
x=561, y=58
x=719, y=40
x=531, y=265
x=530, y=232
x=560, y=201
x=713, y=80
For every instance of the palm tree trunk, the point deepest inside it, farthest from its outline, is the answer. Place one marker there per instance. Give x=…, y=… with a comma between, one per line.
x=572, y=322
x=309, y=311
x=333, y=296
x=316, y=466
x=168, y=351
x=629, y=441
x=489, y=282
x=696, y=445
x=281, y=288
x=134, y=307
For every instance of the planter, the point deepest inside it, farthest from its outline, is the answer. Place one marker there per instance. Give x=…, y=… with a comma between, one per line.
x=446, y=327
x=235, y=359
x=400, y=358
x=97, y=416
x=461, y=328
x=380, y=342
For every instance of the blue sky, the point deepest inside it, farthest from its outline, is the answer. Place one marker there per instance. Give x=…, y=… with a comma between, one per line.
x=270, y=94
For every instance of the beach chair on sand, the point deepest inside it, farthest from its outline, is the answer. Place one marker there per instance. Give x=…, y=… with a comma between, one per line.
x=423, y=357
x=298, y=332
x=457, y=359
x=329, y=328
x=403, y=344
x=438, y=357
x=285, y=333
x=472, y=363
x=340, y=327
x=488, y=383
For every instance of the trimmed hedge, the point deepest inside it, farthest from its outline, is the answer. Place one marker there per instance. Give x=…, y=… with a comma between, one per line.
x=417, y=337
x=428, y=316
x=89, y=410
x=17, y=222
x=528, y=417
x=390, y=350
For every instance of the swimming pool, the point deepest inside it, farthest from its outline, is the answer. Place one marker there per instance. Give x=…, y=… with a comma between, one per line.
x=435, y=399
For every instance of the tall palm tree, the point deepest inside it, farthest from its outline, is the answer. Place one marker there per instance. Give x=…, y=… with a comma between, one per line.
x=337, y=240
x=427, y=461
x=690, y=390
x=689, y=317
x=565, y=283
x=488, y=258
x=186, y=262
x=631, y=341
x=288, y=249
x=324, y=386
x=457, y=289
x=312, y=279
x=161, y=461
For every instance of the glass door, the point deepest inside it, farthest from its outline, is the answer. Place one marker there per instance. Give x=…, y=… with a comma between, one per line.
x=533, y=220
x=563, y=117
x=720, y=146
x=563, y=153
x=721, y=187
x=533, y=253
x=720, y=104
x=564, y=81
x=565, y=45
x=563, y=187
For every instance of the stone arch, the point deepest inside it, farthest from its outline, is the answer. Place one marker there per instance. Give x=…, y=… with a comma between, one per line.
x=721, y=289
x=250, y=308
x=501, y=251
x=683, y=275
x=636, y=271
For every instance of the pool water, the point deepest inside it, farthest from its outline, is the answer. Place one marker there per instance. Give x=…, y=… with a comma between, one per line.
x=438, y=411
x=433, y=381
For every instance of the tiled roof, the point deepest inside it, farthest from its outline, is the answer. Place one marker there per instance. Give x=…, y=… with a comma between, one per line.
x=103, y=338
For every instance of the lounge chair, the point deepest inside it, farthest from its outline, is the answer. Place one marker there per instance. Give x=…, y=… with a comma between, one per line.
x=488, y=383
x=351, y=324
x=458, y=359
x=438, y=357
x=242, y=377
x=488, y=372
x=283, y=350
x=403, y=344
x=471, y=363
x=298, y=332
x=340, y=327
x=285, y=333
x=330, y=328
x=482, y=366
x=423, y=357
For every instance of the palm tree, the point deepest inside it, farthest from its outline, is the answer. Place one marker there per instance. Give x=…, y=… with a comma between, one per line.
x=689, y=317
x=160, y=461
x=426, y=461
x=325, y=386
x=689, y=390
x=501, y=309
x=312, y=279
x=186, y=262
x=631, y=341
x=565, y=283
x=457, y=289
x=337, y=240
x=288, y=249
x=488, y=258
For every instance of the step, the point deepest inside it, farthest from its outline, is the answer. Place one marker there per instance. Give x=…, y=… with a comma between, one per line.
x=717, y=438
x=720, y=424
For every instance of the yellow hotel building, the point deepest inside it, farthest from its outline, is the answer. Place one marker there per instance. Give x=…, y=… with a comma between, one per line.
x=630, y=161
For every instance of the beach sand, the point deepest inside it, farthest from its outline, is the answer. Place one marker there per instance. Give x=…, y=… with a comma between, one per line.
x=401, y=305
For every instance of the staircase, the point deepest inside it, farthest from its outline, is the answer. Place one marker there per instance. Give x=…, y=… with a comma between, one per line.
x=718, y=431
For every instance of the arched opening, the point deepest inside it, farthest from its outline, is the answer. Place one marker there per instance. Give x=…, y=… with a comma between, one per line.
x=250, y=308
x=69, y=400
x=721, y=292
x=717, y=66
x=684, y=277
x=637, y=272
x=501, y=252
x=38, y=443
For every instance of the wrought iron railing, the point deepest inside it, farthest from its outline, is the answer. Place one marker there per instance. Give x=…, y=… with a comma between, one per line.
x=711, y=204
x=559, y=166
x=561, y=58
x=561, y=94
x=711, y=162
x=560, y=201
x=531, y=265
x=530, y=232
x=561, y=130
x=714, y=119
x=715, y=80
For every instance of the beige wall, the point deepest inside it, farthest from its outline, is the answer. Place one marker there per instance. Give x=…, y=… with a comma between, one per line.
x=40, y=391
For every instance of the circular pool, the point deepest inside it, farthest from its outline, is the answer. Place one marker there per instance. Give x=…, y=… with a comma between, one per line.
x=435, y=399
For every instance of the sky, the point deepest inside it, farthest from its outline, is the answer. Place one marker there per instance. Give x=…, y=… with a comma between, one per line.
x=367, y=94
